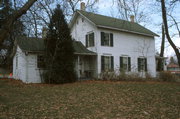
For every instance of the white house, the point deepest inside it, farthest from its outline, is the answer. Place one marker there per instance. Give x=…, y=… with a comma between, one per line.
x=119, y=44
x=101, y=44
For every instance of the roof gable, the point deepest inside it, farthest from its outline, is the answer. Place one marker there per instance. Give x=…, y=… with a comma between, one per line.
x=113, y=23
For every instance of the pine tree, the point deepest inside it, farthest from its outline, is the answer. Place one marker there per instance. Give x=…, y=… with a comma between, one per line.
x=59, y=50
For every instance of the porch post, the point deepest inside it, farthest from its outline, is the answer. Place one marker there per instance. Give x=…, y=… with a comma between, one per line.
x=78, y=68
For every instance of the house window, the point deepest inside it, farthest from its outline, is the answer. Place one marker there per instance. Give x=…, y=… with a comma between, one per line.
x=107, y=63
x=142, y=64
x=90, y=40
x=106, y=39
x=40, y=61
x=125, y=63
x=82, y=19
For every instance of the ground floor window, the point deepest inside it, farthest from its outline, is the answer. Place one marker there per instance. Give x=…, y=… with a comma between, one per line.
x=107, y=63
x=142, y=64
x=40, y=61
x=125, y=63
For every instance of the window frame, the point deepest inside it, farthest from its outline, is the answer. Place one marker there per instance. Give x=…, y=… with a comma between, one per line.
x=40, y=63
x=142, y=66
x=89, y=41
x=128, y=63
x=107, y=41
x=107, y=63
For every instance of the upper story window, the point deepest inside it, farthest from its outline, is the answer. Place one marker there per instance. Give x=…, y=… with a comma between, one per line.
x=90, y=40
x=107, y=63
x=40, y=61
x=106, y=39
x=142, y=64
x=125, y=63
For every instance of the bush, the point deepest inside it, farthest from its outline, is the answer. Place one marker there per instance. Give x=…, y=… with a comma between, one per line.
x=121, y=76
x=167, y=76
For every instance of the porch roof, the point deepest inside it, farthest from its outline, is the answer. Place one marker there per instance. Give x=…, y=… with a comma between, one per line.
x=80, y=49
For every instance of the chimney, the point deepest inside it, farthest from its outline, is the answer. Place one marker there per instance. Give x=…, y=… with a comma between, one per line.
x=132, y=18
x=83, y=6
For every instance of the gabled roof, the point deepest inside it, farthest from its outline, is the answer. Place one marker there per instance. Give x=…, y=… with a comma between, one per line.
x=37, y=45
x=113, y=23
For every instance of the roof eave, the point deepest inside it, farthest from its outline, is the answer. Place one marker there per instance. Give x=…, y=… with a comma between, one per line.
x=85, y=53
x=30, y=51
x=100, y=26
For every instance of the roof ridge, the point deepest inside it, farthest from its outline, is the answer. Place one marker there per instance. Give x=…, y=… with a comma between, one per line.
x=108, y=17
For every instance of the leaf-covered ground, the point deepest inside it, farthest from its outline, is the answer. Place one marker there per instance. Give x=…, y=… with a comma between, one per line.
x=89, y=100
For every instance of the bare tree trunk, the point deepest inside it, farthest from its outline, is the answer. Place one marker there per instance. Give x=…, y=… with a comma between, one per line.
x=160, y=67
x=167, y=31
x=11, y=19
x=176, y=24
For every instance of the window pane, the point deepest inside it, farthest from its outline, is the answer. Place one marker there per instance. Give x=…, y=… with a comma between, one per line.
x=106, y=39
x=142, y=64
x=125, y=63
x=90, y=40
x=107, y=63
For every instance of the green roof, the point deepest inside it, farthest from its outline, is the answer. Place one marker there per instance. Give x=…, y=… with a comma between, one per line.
x=116, y=24
x=31, y=44
x=81, y=49
x=37, y=45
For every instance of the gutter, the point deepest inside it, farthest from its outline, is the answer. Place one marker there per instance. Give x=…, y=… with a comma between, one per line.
x=100, y=26
x=85, y=54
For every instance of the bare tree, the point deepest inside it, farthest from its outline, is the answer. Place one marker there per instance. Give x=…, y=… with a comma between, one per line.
x=8, y=24
x=175, y=23
x=164, y=17
x=127, y=8
x=38, y=17
x=160, y=62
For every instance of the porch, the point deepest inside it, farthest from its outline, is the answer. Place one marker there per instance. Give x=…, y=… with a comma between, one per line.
x=86, y=62
x=86, y=66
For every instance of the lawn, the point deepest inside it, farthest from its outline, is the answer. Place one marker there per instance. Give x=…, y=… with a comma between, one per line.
x=90, y=99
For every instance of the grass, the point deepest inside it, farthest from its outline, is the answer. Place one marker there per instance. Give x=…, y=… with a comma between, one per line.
x=91, y=99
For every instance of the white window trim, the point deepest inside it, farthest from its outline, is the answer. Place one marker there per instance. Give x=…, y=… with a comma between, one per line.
x=109, y=40
x=88, y=41
x=127, y=67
